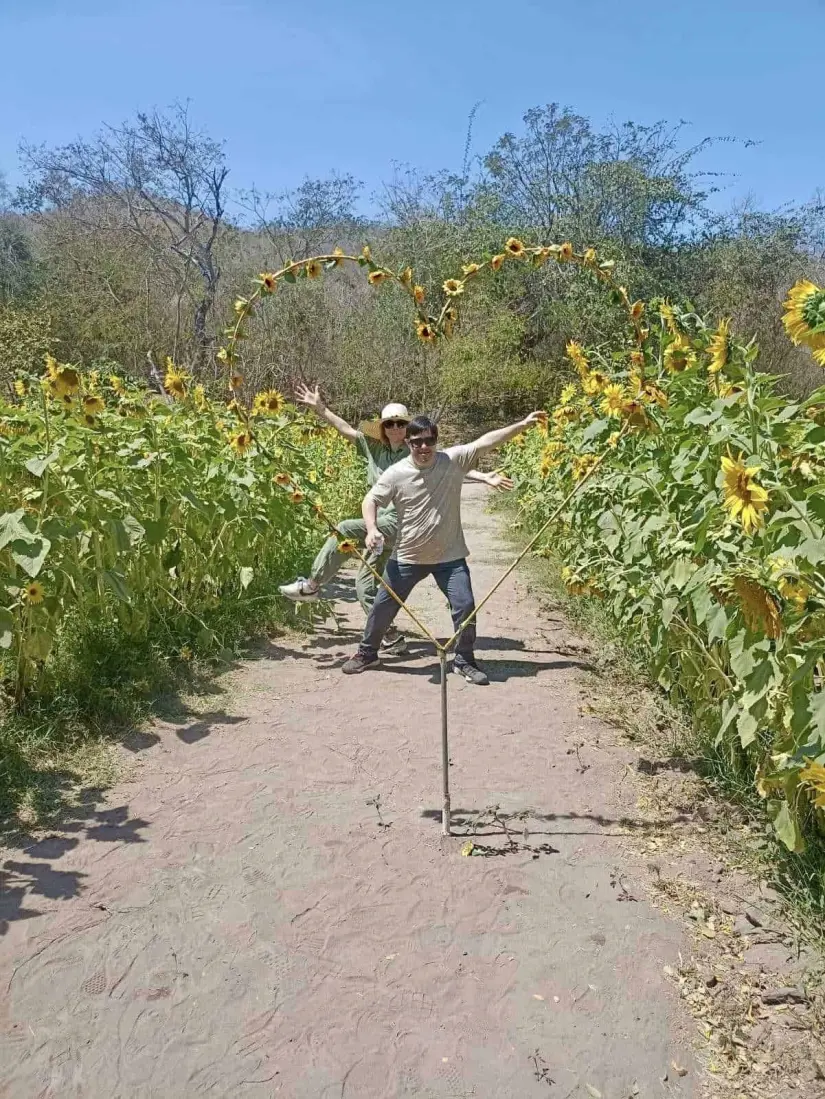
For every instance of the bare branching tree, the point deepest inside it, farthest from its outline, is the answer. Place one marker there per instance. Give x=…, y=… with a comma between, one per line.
x=165, y=180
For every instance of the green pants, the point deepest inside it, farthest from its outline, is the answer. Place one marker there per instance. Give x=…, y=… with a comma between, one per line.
x=330, y=560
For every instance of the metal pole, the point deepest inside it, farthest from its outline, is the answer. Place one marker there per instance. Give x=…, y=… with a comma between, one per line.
x=445, y=748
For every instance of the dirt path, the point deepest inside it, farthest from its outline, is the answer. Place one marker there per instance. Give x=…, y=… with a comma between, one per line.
x=236, y=921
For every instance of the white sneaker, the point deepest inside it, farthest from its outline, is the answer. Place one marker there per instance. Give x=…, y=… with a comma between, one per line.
x=298, y=592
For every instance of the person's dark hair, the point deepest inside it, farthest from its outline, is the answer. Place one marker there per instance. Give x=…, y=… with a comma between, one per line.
x=421, y=425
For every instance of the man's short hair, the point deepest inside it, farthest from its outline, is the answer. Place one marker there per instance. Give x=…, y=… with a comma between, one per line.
x=421, y=425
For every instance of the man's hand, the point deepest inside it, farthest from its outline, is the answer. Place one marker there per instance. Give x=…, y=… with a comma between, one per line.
x=503, y=435
x=535, y=418
x=310, y=397
x=374, y=539
x=499, y=481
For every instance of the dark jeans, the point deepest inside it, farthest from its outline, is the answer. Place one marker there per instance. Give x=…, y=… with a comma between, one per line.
x=452, y=577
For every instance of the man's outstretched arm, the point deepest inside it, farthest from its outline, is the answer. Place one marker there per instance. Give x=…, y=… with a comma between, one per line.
x=502, y=435
x=313, y=398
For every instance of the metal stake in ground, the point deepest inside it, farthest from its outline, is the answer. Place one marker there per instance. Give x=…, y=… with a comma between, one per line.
x=445, y=747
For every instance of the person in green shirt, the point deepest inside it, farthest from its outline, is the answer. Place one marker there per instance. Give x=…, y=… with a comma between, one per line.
x=380, y=452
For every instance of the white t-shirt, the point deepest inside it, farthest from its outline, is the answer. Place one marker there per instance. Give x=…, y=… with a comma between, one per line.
x=428, y=502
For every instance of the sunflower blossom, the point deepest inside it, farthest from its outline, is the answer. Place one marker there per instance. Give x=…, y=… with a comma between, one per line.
x=469, y=269
x=34, y=593
x=268, y=282
x=497, y=261
x=93, y=405
x=813, y=775
x=719, y=348
x=425, y=332
x=269, y=403
x=759, y=608
x=240, y=442
x=594, y=382
x=453, y=287
x=375, y=278
x=419, y=294
x=575, y=353
x=614, y=399
x=175, y=381
x=804, y=317
x=744, y=498
x=679, y=357
x=347, y=546
x=514, y=247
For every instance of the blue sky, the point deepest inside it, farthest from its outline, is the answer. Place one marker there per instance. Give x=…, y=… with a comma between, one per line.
x=313, y=86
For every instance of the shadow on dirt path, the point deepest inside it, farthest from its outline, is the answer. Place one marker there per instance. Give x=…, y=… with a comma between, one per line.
x=268, y=906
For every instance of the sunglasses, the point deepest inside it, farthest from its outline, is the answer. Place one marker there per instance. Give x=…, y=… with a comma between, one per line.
x=395, y=423
x=422, y=440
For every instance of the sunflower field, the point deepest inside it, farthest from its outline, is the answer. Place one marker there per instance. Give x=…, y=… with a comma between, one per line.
x=156, y=519
x=700, y=522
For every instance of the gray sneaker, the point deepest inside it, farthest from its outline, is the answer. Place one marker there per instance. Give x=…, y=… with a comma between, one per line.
x=298, y=591
x=394, y=643
x=359, y=663
x=470, y=671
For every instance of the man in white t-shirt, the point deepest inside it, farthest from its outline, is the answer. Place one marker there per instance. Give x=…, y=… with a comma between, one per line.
x=426, y=491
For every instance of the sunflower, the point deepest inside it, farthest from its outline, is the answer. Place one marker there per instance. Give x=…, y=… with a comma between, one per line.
x=269, y=403
x=347, y=546
x=614, y=398
x=669, y=317
x=679, y=357
x=469, y=269
x=613, y=439
x=376, y=277
x=551, y=457
x=453, y=287
x=813, y=775
x=514, y=247
x=575, y=352
x=795, y=592
x=594, y=382
x=565, y=252
x=568, y=394
x=719, y=348
x=419, y=294
x=297, y=497
x=240, y=442
x=637, y=310
x=744, y=498
x=89, y=420
x=282, y=479
x=366, y=253
x=225, y=355
x=582, y=465
x=201, y=402
x=338, y=254
x=268, y=282
x=242, y=306
x=314, y=269
x=759, y=608
x=235, y=380
x=65, y=381
x=117, y=384
x=804, y=315
x=52, y=366
x=425, y=332
x=497, y=261
x=93, y=405
x=728, y=389
x=652, y=392
x=590, y=257
x=175, y=381
x=34, y=593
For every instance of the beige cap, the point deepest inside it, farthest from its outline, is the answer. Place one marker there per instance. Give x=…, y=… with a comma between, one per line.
x=395, y=412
